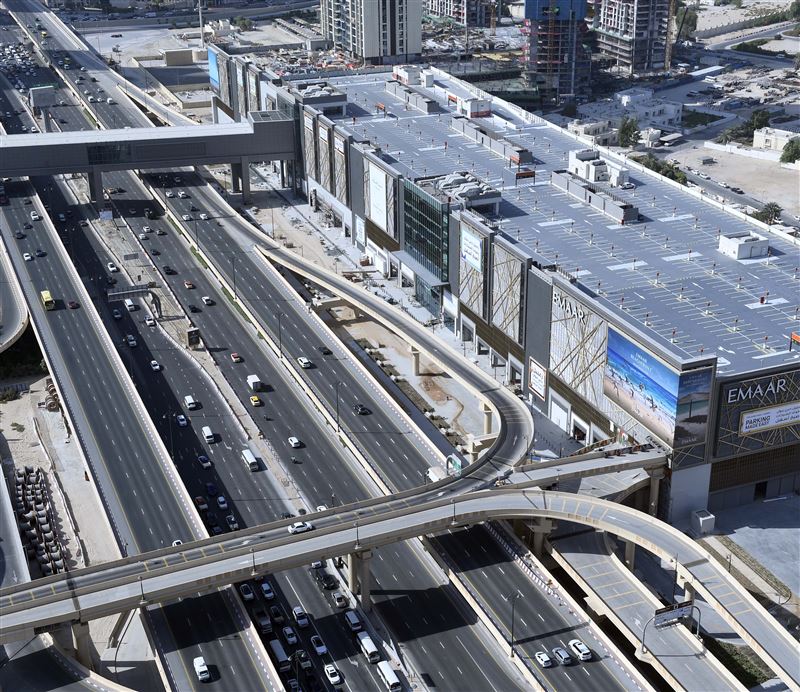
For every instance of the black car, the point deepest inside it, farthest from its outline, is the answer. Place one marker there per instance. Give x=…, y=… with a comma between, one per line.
x=27, y=225
x=168, y=270
x=154, y=252
x=360, y=409
x=40, y=252
x=325, y=351
x=276, y=615
x=110, y=280
x=193, y=308
x=286, y=515
x=19, y=235
x=324, y=579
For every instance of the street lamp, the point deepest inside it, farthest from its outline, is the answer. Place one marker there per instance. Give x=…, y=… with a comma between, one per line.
x=513, y=604
x=338, y=382
x=357, y=546
x=253, y=555
x=280, y=333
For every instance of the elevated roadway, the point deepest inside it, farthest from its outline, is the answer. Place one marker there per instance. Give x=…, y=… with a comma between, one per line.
x=116, y=586
x=13, y=311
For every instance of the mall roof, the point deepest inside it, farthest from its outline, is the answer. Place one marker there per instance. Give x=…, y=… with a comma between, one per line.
x=663, y=275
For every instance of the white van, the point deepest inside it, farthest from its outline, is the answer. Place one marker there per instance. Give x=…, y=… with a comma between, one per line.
x=249, y=460
x=130, y=305
x=352, y=620
x=368, y=647
x=190, y=403
x=208, y=436
x=389, y=677
x=35, y=216
x=201, y=669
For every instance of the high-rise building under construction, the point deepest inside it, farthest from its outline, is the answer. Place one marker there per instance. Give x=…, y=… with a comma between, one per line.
x=556, y=54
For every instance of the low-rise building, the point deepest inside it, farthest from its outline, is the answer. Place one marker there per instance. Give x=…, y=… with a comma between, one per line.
x=638, y=103
x=772, y=138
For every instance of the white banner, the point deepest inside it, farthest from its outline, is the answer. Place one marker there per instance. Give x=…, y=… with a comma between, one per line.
x=361, y=237
x=537, y=378
x=377, y=196
x=772, y=417
x=471, y=248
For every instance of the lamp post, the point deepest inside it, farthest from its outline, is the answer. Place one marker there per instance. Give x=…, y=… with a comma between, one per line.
x=338, y=382
x=357, y=546
x=513, y=604
x=280, y=333
x=253, y=555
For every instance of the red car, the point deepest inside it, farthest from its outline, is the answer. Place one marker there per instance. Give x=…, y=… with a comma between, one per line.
x=73, y=304
x=236, y=358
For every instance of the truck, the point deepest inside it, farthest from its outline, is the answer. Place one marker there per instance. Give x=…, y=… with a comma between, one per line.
x=254, y=383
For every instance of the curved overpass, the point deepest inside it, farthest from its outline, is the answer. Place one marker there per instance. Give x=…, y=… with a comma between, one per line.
x=171, y=572
x=14, y=315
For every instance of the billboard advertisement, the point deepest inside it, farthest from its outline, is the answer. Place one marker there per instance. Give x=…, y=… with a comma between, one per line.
x=471, y=248
x=213, y=70
x=377, y=196
x=672, y=405
x=757, y=413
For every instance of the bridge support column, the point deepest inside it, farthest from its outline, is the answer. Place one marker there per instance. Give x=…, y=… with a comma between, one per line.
x=352, y=572
x=630, y=554
x=96, y=186
x=83, y=643
x=46, y=124
x=655, y=486
x=415, y=358
x=487, y=418
x=365, y=580
x=245, y=182
x=688, y=592
x=63, y=637
x=236, y=177
x=540, y=530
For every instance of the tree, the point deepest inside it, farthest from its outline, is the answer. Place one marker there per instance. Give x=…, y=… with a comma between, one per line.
x=770, y=213
x=791, y=151
x=628, y=132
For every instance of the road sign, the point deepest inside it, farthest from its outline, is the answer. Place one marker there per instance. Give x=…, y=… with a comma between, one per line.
x=671, y=614
x=193, y=337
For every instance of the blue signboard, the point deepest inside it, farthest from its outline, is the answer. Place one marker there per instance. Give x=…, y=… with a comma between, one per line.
x=213, y=69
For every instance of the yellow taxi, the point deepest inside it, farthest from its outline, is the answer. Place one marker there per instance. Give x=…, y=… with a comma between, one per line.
x=255, y=400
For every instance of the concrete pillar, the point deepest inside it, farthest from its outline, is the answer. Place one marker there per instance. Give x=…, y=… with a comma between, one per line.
x=352, y=572
x=630, y=554
x=214, y=111
x=119, y=626
x=365, y=580
x=245, y=178
x=655, y=485
x=487, y=418
x=236, y=177
x=83, y=643
x=95, y=177
x=46, y=121
x=415, y=358
x=540, y=529
x=688, y=592
x=63, y=638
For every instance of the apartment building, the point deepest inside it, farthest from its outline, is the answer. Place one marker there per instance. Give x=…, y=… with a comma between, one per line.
x=469, y=12
x=634, y=33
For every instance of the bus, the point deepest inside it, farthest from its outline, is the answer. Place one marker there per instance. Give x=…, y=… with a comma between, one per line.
x=47, y=300
x=389, y=677
x=249, y=460
x=281, y=659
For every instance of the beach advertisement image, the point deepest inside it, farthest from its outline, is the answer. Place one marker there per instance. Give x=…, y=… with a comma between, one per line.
x=691, y=416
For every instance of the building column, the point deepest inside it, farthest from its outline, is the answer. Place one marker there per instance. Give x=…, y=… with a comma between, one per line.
x=95, y=177
x=630, y=554
x=365, y=580
x=415, y=358
x=655, y=485
x=83, y=643
x=487, y=418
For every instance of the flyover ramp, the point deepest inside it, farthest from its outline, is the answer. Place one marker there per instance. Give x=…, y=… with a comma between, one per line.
x=170, y=572
x=14, y=316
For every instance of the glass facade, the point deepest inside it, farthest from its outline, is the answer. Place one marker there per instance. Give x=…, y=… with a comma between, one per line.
x=427, y=234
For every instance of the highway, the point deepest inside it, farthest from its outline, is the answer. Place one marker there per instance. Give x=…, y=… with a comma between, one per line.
x=119, y=585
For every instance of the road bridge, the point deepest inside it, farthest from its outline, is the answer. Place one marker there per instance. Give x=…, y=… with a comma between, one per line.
x=359, y=529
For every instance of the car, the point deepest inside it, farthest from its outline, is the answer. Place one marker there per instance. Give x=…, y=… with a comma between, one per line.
x=154, y=252
x=230, y=520
x=213, y=524
x=116, y=35
x=325, y=351
x=276, y=615
x=182, y=194
x=203, y=460
x=180, y=419
x=131, y=339
x=155, y=366
x=247, y=592
x=170, y=194
x=40, y=252
x=628, y=186
x=289, y=635
x=267, y=591
x=206, y=300
x=326, y=580
x=211, y=490
x=169, y=271
x=177, y=542
x=304, y=362
x=360, y=409
x=302, y=658
x=116, y=314
x=321, y=508
x=19, y=235
x=204, y=217
x=543, y=659
x=35, y=216
x=561, y=655
x=255, y=400
x=147, y=229
x=186, y=217
x=300, y=527
x=286, y=515
x=113, y=268
x=161, y=231
x=201, y=503
x=583, y=652
x=294, y=443
x=193, y=308
x=27, y=256
x=235, y=357
x=143, y=236
x=300, y=617
x=188, y=284
x=27, y=226
x=73, y=305
x=149, y=321
x=319, y=646
x=199, y=663
x=222, y=503
x=339, y=599
x=332, y=674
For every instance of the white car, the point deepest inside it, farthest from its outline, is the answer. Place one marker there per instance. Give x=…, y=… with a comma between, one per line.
x=300, y=617
x=304, y=362
x=204, y=216
x=155, y=366
x=170, y=194
x=143, y=236
x=222, y=503
x=131, y=339
x=181, y=420
x=247, y=592
x=543, y=659
x=186, y=217
x=199, y=663
x=112, y=267
x=290, y=635
x=27, y=256
x=294, y=443
x=267, y=590
x=319, y=646
x=182, y=194
x=149, y=321
x=300, y=527
x=332, y=674
x=207, y=300
x=146, y=229
x=580, y=649
x=322, y=508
